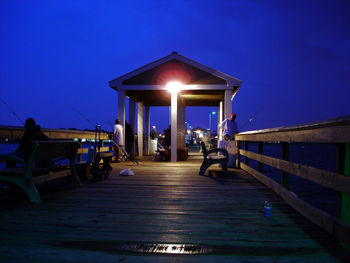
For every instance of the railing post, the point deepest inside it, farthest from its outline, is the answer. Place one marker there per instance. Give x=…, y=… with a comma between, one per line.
x=260, y=151
x=285, y=157
x=80, y=156
x=238, y=157
x=343, y=167
x=246, y=159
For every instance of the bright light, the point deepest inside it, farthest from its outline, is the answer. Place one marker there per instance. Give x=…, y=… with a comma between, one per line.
x=174, y=86
x=213, y=113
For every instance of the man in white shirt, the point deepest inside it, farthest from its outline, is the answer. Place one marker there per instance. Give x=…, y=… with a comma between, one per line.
x=118, y=139
x=229, y=128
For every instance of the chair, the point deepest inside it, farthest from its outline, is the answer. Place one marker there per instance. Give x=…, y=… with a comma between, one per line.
x=209, y=160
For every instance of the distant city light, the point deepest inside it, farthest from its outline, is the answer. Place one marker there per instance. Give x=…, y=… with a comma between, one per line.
x=174, y=86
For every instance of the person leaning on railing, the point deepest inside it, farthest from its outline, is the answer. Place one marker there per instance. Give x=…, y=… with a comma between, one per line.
x=229, y=128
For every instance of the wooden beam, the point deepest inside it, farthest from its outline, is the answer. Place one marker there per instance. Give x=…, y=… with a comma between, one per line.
x=332, y=180
x=329, y=223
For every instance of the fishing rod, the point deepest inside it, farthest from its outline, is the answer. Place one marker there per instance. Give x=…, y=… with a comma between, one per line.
x=12, y=111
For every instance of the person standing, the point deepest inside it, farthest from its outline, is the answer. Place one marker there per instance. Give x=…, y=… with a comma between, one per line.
x=118, y=140
x=229, y=128
x=154, y=140
x=129, y=140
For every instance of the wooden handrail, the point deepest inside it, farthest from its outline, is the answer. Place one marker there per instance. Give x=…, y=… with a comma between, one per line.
x=333, y=131
x=15, y=133
x=331, y=180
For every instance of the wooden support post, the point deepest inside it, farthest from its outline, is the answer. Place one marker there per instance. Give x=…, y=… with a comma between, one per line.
x=246, y=146
x=147, y=131
x=220, y=119
x=121, y=111
x=132, y=107
x=238, y=158
x=285, y=157
x=80, y=156
x=227, y=104
x=260, y=151
x=343, y=167
x=140, y=127
x=173, y=148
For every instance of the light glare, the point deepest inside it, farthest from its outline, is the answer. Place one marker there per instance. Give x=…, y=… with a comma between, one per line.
x=174, y=86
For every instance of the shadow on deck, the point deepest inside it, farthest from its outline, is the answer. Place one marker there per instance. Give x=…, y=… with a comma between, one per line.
x=166, y=212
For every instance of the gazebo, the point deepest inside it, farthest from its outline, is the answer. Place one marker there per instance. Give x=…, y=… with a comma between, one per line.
x=174, y=81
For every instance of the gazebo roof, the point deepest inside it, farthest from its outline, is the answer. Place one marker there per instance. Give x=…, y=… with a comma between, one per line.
x=203, y=86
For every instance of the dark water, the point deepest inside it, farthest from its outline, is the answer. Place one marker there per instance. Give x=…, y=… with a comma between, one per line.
x=321, y=156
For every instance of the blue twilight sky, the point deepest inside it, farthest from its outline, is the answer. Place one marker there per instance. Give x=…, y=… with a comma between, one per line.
x=56, y=57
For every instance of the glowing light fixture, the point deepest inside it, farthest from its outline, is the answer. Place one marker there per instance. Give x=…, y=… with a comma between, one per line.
x=174, y=86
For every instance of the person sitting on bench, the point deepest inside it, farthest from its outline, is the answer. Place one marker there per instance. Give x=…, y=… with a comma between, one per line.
x=31, y=133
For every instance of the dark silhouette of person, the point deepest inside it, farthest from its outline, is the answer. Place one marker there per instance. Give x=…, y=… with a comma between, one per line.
x=31, y=133
x=167, y=134
x=129, y=139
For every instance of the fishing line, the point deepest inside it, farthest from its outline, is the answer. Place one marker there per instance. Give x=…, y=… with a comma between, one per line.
x=83, y=116
x=249, y=120
x=12, y=111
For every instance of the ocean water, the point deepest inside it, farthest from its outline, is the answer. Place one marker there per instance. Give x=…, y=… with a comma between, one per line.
x=321, y=156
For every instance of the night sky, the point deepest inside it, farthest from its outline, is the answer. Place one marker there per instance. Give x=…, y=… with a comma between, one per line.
x=56, y=57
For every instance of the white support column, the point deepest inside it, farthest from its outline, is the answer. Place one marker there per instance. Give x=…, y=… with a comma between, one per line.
x=132, y=122
x=147, y=130
x=220, y=119
x=140, y=127
x=173, y=148
x=121, y=110
x=227, y=104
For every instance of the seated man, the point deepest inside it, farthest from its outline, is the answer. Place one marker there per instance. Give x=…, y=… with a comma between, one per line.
x=31, y=133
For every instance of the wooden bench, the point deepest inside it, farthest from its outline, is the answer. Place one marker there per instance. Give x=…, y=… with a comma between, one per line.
x=29, y=174
x=209, y=159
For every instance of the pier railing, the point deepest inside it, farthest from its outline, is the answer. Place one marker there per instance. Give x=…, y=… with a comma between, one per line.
x=336, y=131
x=13, y=133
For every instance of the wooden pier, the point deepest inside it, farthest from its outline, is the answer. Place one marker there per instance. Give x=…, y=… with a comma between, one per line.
x=166, y=212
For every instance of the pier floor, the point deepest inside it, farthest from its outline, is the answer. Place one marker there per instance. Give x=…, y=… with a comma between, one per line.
x=166, y=212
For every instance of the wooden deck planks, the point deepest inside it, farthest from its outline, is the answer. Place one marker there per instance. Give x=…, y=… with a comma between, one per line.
x=162, y=203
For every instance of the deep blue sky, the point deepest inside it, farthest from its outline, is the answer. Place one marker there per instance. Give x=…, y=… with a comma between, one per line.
x=56, y=57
